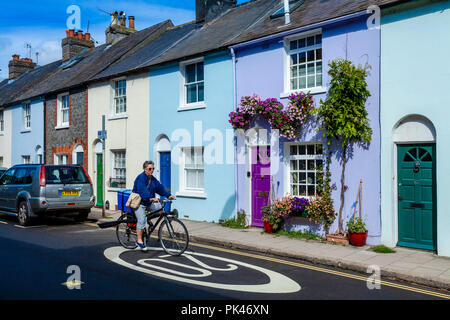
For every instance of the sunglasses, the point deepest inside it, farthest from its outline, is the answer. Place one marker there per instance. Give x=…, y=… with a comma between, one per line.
x=150, y=169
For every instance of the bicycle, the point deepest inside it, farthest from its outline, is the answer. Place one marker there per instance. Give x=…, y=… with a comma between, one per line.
x=172, y=233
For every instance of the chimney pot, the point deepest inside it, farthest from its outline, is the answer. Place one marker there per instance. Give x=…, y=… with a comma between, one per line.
x=131, y=22
x=16, y=57
x=87, y=36
x=113, y=17
x=71, y=33
x=123, y=21
x=18, y=66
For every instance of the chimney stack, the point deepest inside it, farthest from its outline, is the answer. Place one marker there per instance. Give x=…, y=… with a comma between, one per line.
x=116, y=32
x=131, y=22
x=207, y=10
x=18, y=66
x=73, y=44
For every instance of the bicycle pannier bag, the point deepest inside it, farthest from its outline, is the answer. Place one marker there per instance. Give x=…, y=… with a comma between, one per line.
x=134, y=201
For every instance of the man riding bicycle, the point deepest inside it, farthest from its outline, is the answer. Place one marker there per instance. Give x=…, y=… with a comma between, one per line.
x=146, y=185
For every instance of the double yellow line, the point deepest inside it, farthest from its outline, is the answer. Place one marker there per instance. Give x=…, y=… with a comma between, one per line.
x=337, y=273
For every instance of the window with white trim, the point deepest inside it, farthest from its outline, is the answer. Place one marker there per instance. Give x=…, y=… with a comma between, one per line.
x=192, y=90
x=26, y=159
x=120, y=96
x=305, y=62
x=26, y=116
x=119, y=173
x=63, y=110
x=60, y=158
x=2, y=121
x=193, y=169
x=305, y=161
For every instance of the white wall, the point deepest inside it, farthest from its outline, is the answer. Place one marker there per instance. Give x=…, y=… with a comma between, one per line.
x=6, y=138
x=129, y=132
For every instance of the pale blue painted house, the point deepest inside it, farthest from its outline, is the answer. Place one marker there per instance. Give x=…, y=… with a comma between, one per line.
x=414, y=115
x=191, y=95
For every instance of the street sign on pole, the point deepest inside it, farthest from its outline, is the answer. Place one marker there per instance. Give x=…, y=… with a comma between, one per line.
x=102, y=137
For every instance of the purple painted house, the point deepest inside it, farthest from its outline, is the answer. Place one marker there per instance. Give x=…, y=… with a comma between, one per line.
x=292, y=58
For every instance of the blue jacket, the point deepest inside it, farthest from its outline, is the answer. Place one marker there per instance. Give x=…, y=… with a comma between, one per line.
x=140, y=186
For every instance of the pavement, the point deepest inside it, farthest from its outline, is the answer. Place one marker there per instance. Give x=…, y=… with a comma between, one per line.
x=411, y=265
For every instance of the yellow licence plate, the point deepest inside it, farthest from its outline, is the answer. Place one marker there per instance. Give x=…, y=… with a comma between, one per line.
x=71, y=193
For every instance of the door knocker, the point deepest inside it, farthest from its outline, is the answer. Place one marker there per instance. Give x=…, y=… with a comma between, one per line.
x=416, y=166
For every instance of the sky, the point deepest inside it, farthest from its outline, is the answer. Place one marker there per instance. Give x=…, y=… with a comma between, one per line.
x=42, y=23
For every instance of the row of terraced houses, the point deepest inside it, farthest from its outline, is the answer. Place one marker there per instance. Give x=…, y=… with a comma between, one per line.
x=166, y=93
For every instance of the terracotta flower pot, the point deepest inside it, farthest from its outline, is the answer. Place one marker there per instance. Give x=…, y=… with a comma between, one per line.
x=357, y=239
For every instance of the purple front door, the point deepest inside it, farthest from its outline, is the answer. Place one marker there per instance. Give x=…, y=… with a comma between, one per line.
x=260, y=183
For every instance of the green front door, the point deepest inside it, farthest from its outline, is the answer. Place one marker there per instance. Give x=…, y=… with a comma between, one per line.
x=417, y=196
x=99, y=180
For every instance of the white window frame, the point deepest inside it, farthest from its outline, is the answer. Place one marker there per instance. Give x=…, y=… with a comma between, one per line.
x=26, y=159
x=287, y=63
x=287, y=164
x=61, y=110
x=118, y=97
x=2, y=121
x=183, y=95
x=26, y=116
x=113, y=168
x=61, y=158
x=184, y=191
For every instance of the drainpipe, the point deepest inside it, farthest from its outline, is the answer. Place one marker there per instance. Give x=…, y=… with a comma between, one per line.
x=233, y=59
x=287, y=16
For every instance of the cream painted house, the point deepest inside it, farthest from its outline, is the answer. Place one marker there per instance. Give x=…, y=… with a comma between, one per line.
x=125, y=103
x=5, y=137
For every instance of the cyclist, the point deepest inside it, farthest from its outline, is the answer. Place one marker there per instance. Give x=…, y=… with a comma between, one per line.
x=146, y=185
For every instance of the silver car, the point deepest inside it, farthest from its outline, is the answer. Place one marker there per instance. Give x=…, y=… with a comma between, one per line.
x=35, y=190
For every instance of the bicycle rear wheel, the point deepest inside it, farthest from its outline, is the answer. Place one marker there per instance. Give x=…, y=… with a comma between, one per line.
x=126, y=232
x=173, y=236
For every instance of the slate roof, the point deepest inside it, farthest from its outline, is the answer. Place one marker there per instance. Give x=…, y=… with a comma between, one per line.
x=251, y=20
x=308, y=13
x=53, y=77
x=164, y=42
x=140, y=57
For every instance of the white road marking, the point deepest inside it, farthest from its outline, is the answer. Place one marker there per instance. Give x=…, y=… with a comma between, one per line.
x=29, y=227
x=3, y=222
x=278, y=283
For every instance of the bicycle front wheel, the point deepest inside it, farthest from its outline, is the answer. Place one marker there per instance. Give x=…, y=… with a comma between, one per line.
x=126, y=232
x=173, y=236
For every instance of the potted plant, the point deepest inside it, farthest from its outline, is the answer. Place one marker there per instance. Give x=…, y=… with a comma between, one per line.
x=273, y=213
x=357, y=231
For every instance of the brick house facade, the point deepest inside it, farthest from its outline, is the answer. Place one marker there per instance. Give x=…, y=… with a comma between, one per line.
x=63, y=139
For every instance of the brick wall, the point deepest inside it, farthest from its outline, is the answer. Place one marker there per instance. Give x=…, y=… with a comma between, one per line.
x=65, y=140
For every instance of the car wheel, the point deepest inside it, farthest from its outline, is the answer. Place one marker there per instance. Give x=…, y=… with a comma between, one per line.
x=23, y=214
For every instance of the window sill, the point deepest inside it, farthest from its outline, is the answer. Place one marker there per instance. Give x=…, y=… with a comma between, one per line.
x=2, y=133
x=191, y=194
x=316, y=90
x=192, y=106
x=117, y=116
x=25, y=131
x=62, y=126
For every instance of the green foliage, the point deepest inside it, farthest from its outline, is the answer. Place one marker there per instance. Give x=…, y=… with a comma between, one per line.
x=382, y=249
x=308, y=235
x=238, y=222
x=327, y=214
x=343, y=116
x=356, y=225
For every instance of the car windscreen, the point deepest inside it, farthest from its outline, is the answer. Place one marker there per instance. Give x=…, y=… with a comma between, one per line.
x=65, y=175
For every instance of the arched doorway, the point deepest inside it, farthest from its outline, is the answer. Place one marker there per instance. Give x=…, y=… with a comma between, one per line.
x=39, y=155
x=415, y=141
x=78, y=155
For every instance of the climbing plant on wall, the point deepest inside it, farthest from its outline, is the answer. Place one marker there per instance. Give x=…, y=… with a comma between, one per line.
x=342, y=117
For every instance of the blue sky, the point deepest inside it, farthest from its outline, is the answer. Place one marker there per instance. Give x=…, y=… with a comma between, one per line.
x=42, y=23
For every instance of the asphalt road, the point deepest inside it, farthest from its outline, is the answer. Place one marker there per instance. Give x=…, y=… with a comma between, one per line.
x=41, y=262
